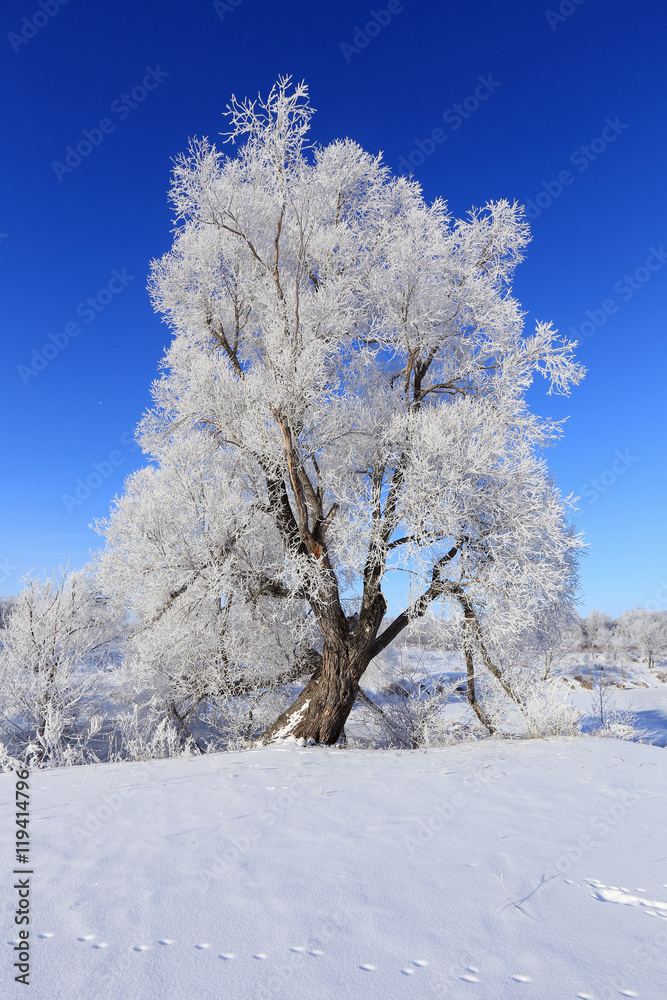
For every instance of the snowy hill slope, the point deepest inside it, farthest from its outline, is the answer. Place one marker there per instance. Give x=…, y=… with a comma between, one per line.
x=533, y=869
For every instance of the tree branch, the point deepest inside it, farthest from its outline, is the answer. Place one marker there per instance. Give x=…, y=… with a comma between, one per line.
x=418, y=608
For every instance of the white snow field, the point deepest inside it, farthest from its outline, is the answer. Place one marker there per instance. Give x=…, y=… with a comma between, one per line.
x=498, y=869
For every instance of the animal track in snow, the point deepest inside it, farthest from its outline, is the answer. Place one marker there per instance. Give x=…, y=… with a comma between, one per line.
x=411, y=967
x=467, y=974
x=619, y=894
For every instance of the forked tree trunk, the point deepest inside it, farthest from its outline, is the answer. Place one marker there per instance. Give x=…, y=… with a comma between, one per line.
x=321, y=709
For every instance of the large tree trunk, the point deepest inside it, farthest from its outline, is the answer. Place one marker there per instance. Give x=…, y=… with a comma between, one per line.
x=321, y=709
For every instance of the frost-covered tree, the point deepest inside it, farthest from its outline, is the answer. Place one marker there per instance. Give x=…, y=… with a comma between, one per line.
x=348, y=375
x=597, y=632
x=55, y=646
x=645, y=631
x=6, y=605
x=209, y=646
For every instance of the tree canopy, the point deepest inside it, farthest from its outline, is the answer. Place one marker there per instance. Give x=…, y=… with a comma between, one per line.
x=344, y=394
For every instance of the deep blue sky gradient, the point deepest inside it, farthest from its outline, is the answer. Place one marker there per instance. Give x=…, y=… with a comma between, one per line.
x=554, y=84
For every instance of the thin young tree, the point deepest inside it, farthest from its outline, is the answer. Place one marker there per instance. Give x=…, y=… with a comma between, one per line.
x=358, y=365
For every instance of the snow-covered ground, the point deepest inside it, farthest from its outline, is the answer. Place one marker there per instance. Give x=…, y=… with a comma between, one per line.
x=630, y=687
x=489, y=870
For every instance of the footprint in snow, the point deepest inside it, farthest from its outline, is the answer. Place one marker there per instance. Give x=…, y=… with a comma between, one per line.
x=419, y=963
x=260, y=955
x=86, y=937
x=46, y=934
x=367, y=968
x=628, y=993
x=203, y=944
x=165, y=941
x=520, y=979
x=469, y=977
x=619, y=894
x=228, y=956
x=100, y=944
x=140, y=947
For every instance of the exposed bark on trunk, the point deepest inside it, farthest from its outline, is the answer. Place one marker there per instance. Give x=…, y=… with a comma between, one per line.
x=321, y=709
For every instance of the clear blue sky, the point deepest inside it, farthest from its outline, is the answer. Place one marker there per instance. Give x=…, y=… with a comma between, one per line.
x=566, y=109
